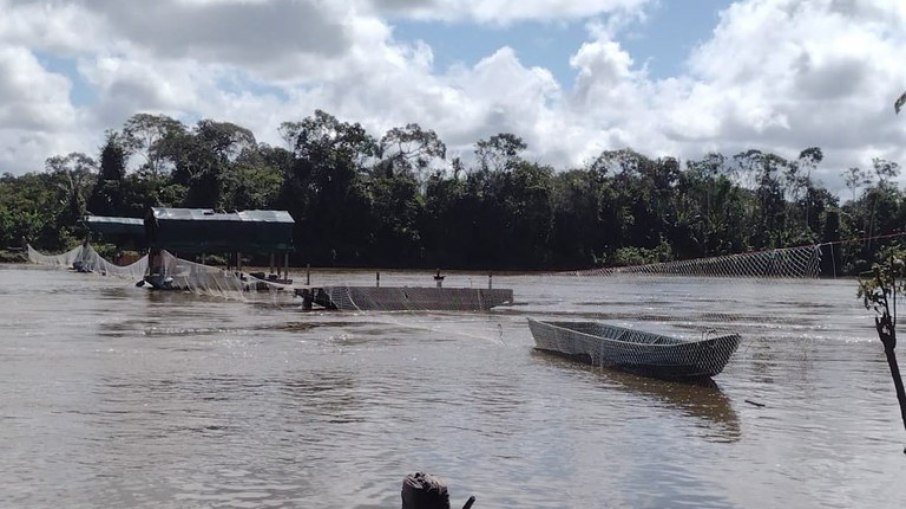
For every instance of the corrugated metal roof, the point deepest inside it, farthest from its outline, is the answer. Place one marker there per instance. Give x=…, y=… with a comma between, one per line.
x=203, y=230
x=252, y=216
x=114, y=220
x=111, y=225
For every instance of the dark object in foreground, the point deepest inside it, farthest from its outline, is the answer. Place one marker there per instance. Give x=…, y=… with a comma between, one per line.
x=638, y=352
x=425, y=491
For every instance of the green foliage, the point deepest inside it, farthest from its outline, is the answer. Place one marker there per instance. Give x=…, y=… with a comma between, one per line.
x=396, y=201
x=879, y=287
x=107, y=196
x=626, y=256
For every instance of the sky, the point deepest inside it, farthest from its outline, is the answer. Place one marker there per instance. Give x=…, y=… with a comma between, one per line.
x=571, y=77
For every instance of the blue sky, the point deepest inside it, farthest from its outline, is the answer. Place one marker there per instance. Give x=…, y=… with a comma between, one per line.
x=666, y=77
x=661, y=42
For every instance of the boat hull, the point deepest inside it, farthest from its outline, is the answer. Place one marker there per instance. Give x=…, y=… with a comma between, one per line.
x=653, y=355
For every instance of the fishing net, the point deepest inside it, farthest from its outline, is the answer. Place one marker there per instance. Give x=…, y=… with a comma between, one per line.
x=795, y=262
x=636, y=351
x=168, y=272
x=60, y=261
x=763, y=298
x=408, y=291
x=85, y=259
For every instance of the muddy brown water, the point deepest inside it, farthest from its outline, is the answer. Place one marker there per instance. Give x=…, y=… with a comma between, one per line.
x=116, y=396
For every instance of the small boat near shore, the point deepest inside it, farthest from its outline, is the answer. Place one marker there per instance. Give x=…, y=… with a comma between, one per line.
x=635, y=351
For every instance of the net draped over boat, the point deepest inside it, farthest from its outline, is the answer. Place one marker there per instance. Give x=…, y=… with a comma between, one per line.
x=634, y=350
x=85, y=259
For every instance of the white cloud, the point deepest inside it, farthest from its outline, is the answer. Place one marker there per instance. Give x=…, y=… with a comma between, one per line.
x=30, y=97
x=35, y=112
x=504, y=12
x=778, y=75
x=784, y=75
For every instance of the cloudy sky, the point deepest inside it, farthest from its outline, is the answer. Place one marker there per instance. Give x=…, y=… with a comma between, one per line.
x=571, y=77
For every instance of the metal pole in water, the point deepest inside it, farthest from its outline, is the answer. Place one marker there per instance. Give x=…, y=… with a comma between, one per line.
x=490, y=280
x=377, y=279
x=307, y=274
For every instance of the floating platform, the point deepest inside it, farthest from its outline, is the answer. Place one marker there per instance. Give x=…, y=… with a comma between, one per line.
x=374, y=298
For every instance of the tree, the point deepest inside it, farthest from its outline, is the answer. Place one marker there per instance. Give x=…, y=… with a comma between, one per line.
x=856, y=178
x=325, y=189
x=152, y=137
x=74, y=176
x=499, y=152
x=107, y=196
x=205, y=160
x=879, y=293
x=885, y=170
x=411, y=150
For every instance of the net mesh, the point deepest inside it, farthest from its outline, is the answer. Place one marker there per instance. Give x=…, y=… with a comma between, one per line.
x=658, y=298
x=85, y=259
x=794, y=262
x=636, y=351
x=168, y=272
x=60, y=261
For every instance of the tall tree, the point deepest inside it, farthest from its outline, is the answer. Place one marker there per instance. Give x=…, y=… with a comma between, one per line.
x=151, y=137
x=74, y=176
x=500, y=152
x=206, y=160
x=325, y=190
x=107, y=196
x=410, y=150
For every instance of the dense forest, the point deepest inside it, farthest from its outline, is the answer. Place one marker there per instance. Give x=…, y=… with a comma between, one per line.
x=398, y=201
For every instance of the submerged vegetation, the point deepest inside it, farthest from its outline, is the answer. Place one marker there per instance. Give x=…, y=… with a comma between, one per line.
x=398, y=201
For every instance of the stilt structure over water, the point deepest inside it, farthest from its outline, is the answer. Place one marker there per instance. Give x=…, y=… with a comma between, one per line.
x=204, y=232
x=169, y=233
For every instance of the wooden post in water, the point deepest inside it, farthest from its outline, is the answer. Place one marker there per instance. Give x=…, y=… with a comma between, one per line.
x=490, y=280
x=307, y=274
x=377, y=279
x=438, y=279
x=286, y=265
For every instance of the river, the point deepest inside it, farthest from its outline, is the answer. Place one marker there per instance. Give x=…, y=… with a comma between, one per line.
x=117, y=396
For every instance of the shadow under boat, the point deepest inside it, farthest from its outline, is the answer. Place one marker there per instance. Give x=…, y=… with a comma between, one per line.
x=700, y=399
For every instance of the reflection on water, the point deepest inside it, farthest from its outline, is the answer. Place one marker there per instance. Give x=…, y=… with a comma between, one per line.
x=701, y=400
x=115, y=396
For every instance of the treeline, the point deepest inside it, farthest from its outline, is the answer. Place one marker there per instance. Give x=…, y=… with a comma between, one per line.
x=397, y=201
